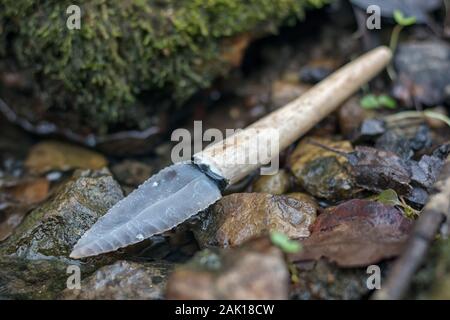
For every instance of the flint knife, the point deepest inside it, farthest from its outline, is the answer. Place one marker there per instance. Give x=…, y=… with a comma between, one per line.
x=180, y=191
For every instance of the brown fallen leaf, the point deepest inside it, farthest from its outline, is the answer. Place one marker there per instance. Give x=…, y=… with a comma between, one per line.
x=356, y=233
x=378, y=170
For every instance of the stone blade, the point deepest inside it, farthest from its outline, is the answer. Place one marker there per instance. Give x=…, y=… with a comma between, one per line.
x=165, y=200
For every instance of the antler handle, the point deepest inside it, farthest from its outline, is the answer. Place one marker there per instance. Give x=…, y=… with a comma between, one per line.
x=236, y=156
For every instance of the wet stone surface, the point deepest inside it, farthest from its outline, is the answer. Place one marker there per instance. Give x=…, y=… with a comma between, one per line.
x=322, y=173
x=239, y=217
x=351, y=116
x=131, y=173
x=274, y=184
x=57, y=156
x=325, y=281
x=31, y=279
x=254, y=271
x=123, y=280
x=52, y=229
x=423, y=72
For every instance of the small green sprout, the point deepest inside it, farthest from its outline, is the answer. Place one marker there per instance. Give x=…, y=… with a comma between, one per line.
x=387, y=102
x=402, y=20
x=371, y=101
x=390, y=197
x=284, y=243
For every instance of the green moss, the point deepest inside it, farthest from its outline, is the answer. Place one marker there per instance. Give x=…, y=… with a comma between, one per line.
x=127, y=48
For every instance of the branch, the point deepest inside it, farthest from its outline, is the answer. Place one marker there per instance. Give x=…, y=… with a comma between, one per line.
x=434, y=213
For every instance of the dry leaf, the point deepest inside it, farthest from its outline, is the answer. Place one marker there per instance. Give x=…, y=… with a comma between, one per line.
x=356, y=233
x=378, y=170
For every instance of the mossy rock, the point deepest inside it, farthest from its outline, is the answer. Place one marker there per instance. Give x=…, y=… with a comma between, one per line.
x=128, y=53
x=34, y=259
x=31, y=279
x=52, y=229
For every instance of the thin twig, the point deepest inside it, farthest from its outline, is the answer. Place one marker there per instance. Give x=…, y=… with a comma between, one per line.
x=428, y=224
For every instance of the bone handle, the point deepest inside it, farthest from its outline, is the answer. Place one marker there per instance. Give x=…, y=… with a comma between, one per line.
x=234, y=157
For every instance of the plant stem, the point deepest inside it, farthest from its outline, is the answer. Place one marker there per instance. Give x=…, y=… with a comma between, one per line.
x=393, y=45
x=394, y=37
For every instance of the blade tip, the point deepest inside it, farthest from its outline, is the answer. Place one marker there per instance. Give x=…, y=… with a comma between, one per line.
x=76, y=254
x=80, y=252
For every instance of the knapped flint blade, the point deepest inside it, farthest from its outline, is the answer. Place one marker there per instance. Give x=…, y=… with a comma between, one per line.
x=165, y=200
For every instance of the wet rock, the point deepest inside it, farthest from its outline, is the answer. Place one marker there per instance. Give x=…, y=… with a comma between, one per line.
x=123, y=280
x=53, y=228
x=325, y=128
x=29, y=191
x=273, y=184
x=58, y=156
x=426, y=170
x=372, y=128
x=17, y=200
x=351, y=115
x=132, y=172
x=300, y=196
x=11, y=215
x=317, y=70
x=255, y=271
x=423, y=72
x=323, y=178
x=322, y=173
x=239, y=217
x=393, y=142
x=421, y=138
x=325, y=281
x=284, y=92
x=417, y=197
x=405, y=138
x=442, y=151
x=31, y=279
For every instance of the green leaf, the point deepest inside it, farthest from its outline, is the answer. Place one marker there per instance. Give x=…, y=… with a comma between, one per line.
x=284, y=243
x=369, y=101
x=388, y=197
x=402, y=20
x=387, y=102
